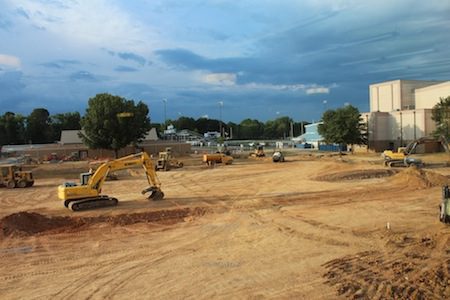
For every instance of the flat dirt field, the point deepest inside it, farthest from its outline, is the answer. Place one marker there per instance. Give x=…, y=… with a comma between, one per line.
x=314, y=227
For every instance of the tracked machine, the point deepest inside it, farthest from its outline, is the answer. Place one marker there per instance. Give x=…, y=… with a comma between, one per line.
x=87, y=194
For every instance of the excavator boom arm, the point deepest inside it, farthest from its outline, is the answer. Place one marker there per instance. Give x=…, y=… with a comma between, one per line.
x=140, y=159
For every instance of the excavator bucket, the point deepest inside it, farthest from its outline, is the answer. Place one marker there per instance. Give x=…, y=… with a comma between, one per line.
x=155, y=193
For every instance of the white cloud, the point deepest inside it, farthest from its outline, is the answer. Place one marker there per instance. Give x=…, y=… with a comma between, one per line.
x=9, y=60
x=229, y=80
x=226, y=79
x=94, y=23
x=280, y=87
x=317, y=90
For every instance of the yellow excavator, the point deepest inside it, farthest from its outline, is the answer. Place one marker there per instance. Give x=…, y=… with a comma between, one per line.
x=401, y=157
x=87, y=194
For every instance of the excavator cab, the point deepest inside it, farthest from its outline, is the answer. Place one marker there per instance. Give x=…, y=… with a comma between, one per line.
x=84, y=177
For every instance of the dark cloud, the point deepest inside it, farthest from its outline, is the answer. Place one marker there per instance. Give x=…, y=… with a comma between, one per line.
x=60, y=64
x=83, y=76
x=21, y=12
x=125, y=69
x=133, y=57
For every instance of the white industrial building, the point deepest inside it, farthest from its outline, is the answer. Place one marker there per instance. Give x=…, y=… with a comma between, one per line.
x=400, y=111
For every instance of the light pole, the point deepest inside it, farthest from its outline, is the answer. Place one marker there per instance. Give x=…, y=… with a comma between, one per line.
x=165, y=116
x=220, y=117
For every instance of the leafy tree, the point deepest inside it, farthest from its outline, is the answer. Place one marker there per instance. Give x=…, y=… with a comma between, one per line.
x=112, y=122
x=343, y=126
x=278, y=128
x=38, y=130
x=204, y=125
x=251, y=129
x=12, y=129
x=441, y=116
x=64, y=121
x=185, y=123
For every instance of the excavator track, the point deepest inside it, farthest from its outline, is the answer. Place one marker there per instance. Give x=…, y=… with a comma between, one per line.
x=91, y=203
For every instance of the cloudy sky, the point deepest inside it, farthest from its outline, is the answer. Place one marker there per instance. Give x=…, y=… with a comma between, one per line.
x=260, y=58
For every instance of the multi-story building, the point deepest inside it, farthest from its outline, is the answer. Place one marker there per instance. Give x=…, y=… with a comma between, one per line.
x=400, y=111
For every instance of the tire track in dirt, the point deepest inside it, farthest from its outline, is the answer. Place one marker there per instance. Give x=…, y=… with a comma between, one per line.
x=129, y=267
x=412, y=268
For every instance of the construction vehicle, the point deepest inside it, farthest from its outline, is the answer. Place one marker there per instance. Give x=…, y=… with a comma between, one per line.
x=278, y=156
x=217, y=158
x=12, y=176
x=444, y=207
x=258, y=152
x=87, y=195
x=166, y=162
x=401, y=158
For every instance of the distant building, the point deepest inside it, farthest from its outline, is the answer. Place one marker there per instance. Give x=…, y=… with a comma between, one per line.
x=400, y=111
x=210, y=135
x=311, y=136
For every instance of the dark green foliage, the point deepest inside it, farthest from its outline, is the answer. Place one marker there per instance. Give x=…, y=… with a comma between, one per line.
x=343, y=126
x=278, y=128
x=65, y=121
x=12, y=129
x=106, y=128
x=251, y=129
x=38, y=129
x=185, y=123
x=441, y=116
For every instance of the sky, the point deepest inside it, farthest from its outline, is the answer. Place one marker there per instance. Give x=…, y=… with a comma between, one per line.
x=258, y=59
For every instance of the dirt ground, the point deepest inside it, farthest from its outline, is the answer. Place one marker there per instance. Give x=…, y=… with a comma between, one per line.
x=314, y=227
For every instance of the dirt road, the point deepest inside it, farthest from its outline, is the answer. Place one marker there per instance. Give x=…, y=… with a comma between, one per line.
x=311, y=228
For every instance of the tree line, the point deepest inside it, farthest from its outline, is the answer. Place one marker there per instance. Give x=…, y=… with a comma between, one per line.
x=279, y=128
x=39, y=127
x=113, y=122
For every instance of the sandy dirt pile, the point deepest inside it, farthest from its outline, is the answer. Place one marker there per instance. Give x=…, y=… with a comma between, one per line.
x=409, y=270
x=419, y=179
x=31, y=223
x=356, y=175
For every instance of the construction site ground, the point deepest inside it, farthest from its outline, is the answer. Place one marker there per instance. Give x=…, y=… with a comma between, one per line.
x=318, y=226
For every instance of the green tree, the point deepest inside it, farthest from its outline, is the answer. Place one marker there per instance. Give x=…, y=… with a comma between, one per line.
x=441, y=116
x=278, y=128
x=205, y=125
x=184, y=123
x=251, y=129
x=343, y=126
x=64, y=121
x=112, y=122
x=12, y=129
x=38, y=130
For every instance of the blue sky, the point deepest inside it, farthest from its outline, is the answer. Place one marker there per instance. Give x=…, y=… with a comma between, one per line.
x=262, y=59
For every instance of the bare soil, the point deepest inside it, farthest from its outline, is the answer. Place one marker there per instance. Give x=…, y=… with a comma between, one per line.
x=315, y=227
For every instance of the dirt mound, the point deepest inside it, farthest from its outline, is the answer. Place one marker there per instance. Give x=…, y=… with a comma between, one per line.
x=30, y=223
x=356, y=175
x=417, y=178
x=415, y=268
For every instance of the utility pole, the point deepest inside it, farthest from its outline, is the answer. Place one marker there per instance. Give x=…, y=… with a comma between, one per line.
x=165, y=115
x=220, y=117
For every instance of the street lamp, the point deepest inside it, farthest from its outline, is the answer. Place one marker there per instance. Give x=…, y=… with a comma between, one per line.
x=165, y=116
x=220, y=117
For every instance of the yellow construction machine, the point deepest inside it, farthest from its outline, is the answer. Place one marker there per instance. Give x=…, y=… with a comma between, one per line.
x=87, y=195
x=258, y=152
x=13, y=176
x=401, y=156
x=166, y=161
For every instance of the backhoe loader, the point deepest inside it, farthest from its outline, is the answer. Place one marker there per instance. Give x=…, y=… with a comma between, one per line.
x=87, y=194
